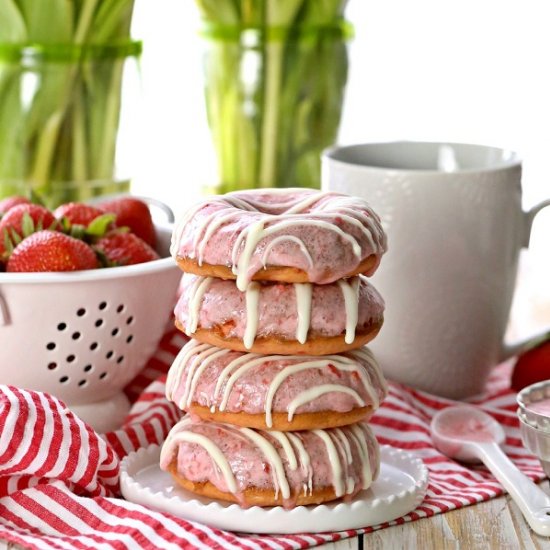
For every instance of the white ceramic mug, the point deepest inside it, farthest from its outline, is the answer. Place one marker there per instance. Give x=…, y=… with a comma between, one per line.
x=455, y=229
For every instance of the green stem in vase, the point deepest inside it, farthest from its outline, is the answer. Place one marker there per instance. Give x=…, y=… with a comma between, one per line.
x=61, y=73
x=266, y=101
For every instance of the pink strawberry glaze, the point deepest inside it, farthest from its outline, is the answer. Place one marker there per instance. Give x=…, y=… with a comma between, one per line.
x=223, y=303
x=541, y=407
x=456, y=425
x=252, y=469
x=331, y=254
x=249, y=391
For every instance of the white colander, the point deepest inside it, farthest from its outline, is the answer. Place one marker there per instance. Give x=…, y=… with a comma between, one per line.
x=83, y=336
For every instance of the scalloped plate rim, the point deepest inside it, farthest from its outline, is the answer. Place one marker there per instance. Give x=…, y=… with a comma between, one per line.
x=277, y=517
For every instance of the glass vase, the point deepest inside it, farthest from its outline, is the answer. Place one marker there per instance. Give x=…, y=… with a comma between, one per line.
x=62, y=119
x=274, y=96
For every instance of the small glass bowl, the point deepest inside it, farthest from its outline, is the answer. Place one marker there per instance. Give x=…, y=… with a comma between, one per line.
x=535, y=426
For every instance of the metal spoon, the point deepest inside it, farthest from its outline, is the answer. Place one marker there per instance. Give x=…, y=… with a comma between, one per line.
x=470, y=435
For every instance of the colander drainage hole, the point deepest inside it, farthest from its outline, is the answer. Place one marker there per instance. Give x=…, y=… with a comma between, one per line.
x=82, y=383
x=50, y=345
x=109, y=354
x=102, y=305
x=64, y=379
x=70, y=358
x=52, y=366
x=61, y=326
x=114, y=332
x=76, y=335
x=120, y=359
x=130, y=320
x=102, y=375
x=130, y=338
x=81, y=312
x=88, y=368
x=93, y=346
x=99, y=322
x=120, y=308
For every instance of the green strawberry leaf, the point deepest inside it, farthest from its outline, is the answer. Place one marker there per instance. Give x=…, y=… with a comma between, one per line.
x=15, y=237
x=99, y=226
x=27, y=225
x=8, y=244
x=36, y=198
x=77, y=231
x=104, y=260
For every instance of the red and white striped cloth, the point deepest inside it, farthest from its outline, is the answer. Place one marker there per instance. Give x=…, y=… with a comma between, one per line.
x=59, y=479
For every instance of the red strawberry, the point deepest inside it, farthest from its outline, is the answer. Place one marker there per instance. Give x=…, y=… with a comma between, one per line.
x=532, y=365
x=125, y=249
x=133, y=213
x=22, y=220
x=10, y=202
x=77, y=213
x=51, y=251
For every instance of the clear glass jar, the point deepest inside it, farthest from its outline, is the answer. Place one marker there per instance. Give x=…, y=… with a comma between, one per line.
x=274, y=97
x=63, y=119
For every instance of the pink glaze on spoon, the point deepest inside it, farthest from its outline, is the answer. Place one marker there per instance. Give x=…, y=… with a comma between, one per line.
x=468, y=434
x=540, y=407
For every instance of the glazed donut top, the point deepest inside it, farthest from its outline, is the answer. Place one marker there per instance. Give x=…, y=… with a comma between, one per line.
x=325, y=234
x=290, y=311
x=226, y=380
x=235, y=459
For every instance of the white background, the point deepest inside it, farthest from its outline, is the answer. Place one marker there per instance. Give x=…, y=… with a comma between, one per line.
x=454, y=70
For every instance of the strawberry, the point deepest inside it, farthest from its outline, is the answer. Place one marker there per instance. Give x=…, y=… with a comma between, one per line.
x=12, y=201
x=133, y=213
x=20, y=221
x=119, y=248
x=77, y=213
x=532, y=365
x=51, y=251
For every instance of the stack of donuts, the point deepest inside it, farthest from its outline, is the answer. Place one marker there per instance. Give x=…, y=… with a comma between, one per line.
x=276, y=381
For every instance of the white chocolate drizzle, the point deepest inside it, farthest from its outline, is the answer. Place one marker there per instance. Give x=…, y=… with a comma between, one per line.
x=194, y=359
x=279, y=477
x=252, y=314
x=177, y=436
x=281, y=239
x=326, y=211
x=335, y=462
x=197, y=291
x=304, y=302
x=284, y=452
x=304, y=296
x=350, y=291
x=314, y=393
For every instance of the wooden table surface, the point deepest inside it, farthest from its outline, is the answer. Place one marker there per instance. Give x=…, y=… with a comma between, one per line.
x=497, y=524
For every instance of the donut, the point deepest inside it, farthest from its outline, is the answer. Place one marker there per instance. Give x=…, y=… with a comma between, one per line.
x=281, y=392
x=270, y=468
x=285, y=235
x=280, y=317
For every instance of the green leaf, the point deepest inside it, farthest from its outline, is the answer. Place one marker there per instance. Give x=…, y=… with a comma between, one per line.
x=15, y=237
x=27, y=225
x=99, y=226
x=8, y=244
x=48, y=22
x=12, y=24
x=77, y=231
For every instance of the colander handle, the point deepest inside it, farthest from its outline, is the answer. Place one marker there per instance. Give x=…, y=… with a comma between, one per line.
x=4, y=312
x=162, y=206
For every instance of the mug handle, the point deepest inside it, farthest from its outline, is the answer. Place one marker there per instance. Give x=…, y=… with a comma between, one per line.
x=510, y=350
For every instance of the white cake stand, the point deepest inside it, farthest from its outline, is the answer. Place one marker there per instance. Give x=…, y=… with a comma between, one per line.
x=399, y=489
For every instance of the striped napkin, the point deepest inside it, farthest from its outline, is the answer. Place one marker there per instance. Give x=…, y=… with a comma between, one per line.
x=59, y=479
